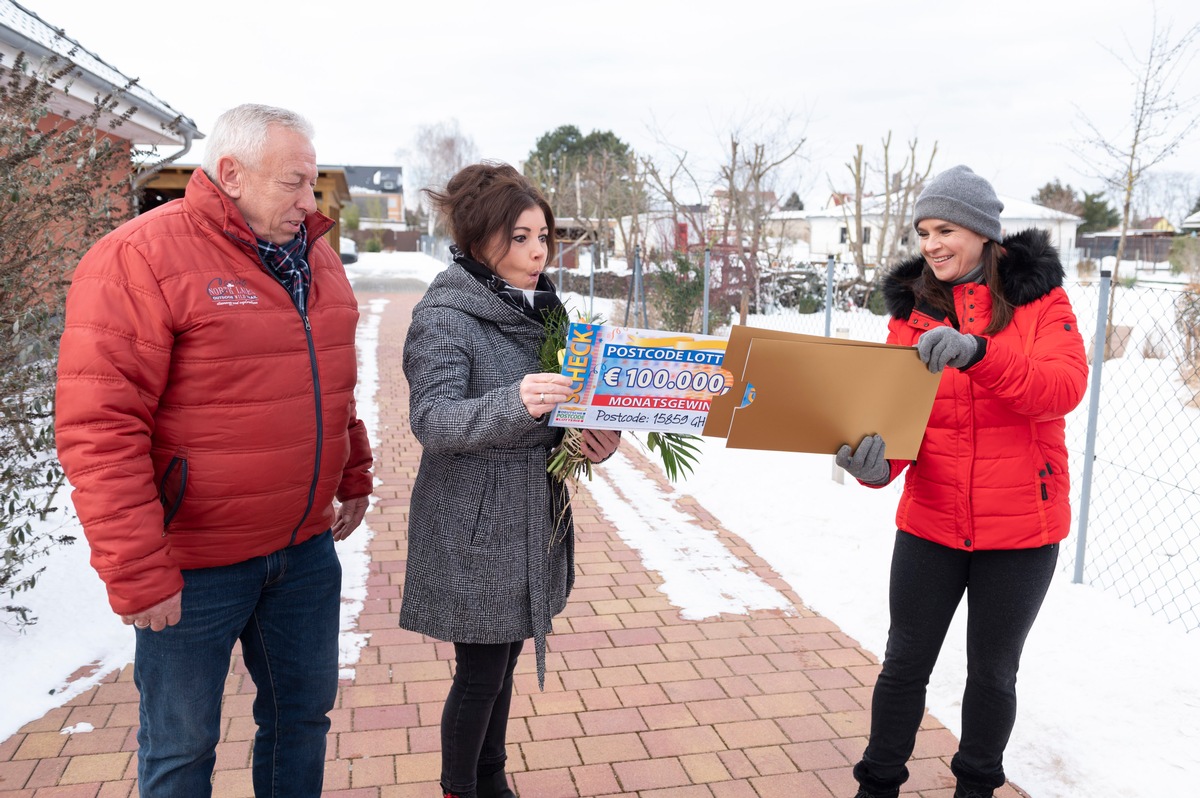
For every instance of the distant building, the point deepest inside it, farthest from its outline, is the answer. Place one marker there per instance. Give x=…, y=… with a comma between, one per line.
x=378, y=193
x=153, y=124
x=1146, y=245
x=331, y=193
x=1159, y=224
x=830, y=233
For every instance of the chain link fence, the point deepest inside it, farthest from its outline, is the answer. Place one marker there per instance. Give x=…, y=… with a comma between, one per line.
x=1142, y=533
x=1141, y=539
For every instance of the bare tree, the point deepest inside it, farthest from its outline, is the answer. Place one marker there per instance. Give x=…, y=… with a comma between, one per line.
x=755, y=156
x=854, y=232
x=1166, y=194
x=608, y=187
x=906, y=186
x=1159, y=121
x=65, y=180
x=896, y=195
x=441, y=150
x=732, y=224
x=624, y=194
x=674, y=186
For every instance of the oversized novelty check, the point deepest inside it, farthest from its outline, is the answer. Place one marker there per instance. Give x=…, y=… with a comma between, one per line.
x=627, y=378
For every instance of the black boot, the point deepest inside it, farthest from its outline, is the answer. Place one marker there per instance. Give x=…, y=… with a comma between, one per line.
x=863, y=792
x=451, y=794
x=494, y=786
x=963, y=791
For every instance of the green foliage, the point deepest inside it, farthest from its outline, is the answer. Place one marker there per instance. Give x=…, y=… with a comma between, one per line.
x=877, y=302
x=63, y=183
x=582, y=175
x=567, y=463
x=679, y=452
x=1187, y=321
x=373, y=244
x=1058, y=197
x=1097, y=214
x=555, y=324
x=351, y=217
x=794, y=203
x=676, y=289
x=801, y=289
x=557, y=155
x=1185, y=256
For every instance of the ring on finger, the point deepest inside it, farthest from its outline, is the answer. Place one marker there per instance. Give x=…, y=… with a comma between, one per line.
x=542, y=398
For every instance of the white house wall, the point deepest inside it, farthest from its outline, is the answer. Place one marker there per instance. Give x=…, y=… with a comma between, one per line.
x=826, y=234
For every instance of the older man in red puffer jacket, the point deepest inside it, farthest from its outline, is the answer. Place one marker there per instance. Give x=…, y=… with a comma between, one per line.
x=206, y=420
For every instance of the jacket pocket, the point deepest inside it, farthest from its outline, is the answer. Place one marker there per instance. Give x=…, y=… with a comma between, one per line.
x=1049, y=476
x=172, y=488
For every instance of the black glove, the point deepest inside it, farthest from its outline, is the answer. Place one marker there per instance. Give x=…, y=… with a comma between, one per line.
x=867, y=463
x=946, y=346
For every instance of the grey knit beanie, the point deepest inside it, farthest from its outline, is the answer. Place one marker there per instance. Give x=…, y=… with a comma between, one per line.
x=959, y=195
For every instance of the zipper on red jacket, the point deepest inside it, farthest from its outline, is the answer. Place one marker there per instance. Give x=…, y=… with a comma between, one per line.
x=312, y=487
x=312, y=363
x=970, y=519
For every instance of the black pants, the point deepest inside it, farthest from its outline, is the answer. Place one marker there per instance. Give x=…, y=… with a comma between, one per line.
x=475, y=718
x=1005, y=589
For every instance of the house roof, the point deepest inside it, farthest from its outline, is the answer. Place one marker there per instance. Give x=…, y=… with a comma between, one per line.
x=1192, y=222
x=21, y=30
x=1024, y=209
x=1013, y=209
x=382, y=179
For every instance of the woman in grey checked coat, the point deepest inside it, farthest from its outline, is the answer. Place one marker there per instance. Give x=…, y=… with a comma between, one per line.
x=490, y=537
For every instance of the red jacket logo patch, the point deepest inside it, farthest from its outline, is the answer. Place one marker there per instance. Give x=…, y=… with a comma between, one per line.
x=231, y=292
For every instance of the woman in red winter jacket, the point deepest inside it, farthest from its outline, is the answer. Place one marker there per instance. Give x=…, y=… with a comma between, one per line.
x=985, y=503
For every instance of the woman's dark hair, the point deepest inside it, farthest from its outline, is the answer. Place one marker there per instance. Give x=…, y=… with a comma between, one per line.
x=482, y=204
x=941, y=295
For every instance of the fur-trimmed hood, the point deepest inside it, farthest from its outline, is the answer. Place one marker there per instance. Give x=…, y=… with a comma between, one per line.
x=1029, y=269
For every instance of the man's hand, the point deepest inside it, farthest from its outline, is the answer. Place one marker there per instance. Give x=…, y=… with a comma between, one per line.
x=349, y=515
x=160, y=616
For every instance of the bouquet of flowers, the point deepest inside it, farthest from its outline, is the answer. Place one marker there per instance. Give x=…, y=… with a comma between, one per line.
x=678, y=451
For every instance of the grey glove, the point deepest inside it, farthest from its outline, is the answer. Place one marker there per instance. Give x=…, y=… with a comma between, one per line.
x=946, y=346
x=867, y=463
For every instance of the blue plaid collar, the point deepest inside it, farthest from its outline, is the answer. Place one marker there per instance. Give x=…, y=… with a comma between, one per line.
x=288, y=263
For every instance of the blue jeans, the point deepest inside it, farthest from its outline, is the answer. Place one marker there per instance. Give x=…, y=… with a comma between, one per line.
x=284, y=608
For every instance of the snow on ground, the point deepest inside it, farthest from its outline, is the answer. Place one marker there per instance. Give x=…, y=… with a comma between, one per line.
x=1109, y=700
x=1110, y=703
x=77, y=629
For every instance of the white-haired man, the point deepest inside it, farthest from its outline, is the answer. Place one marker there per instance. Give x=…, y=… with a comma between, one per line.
x=206, y=420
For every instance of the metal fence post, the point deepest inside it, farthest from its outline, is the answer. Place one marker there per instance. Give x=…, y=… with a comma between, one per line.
x=839, y=474
x=707, y=266
x=828, y=295
x=1089, y=452
x=635, y=286
x=639, y=287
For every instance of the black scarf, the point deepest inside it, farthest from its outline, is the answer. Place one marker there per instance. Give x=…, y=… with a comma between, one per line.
x=535, y=304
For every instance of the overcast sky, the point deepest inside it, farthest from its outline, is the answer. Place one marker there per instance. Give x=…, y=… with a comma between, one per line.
x=1000, y=86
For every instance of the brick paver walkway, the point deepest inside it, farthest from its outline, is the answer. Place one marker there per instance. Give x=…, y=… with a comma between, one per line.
x=638, y=701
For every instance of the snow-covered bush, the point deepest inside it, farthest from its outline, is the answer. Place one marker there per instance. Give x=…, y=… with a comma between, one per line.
x=63, y=183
